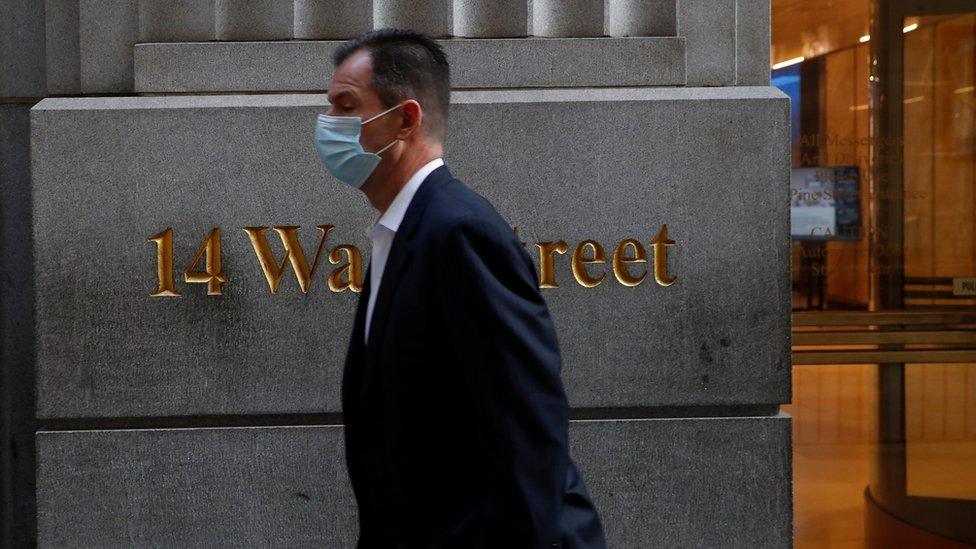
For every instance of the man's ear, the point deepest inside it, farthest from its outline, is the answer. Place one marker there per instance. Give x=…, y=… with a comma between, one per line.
x=413, y=117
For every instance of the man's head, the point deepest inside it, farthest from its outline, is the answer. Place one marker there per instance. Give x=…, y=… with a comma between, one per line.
x=380, y=70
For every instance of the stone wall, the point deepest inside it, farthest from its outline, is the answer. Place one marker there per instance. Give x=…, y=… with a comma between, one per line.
x=213, y=420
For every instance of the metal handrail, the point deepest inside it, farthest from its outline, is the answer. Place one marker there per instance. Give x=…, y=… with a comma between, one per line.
x=871, y=337
x=861, y=318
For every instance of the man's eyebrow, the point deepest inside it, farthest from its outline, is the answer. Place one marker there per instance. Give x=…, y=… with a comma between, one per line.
x=340, y=94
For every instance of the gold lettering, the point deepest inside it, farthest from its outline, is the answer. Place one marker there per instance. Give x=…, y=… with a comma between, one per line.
x=620, y=260
x=293, y=253
x=212, y=276
x=661, y=243
x=580, y=261
x=547, y=274
x=353, y=269
x=349, y=273
x=164, y=264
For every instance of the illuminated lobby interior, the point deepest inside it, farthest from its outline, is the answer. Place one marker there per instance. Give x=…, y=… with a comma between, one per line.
x=884, y=325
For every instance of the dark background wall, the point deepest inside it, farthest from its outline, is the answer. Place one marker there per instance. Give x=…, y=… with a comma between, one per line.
x=22, y=83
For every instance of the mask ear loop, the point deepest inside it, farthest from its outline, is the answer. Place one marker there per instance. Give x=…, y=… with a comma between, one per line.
x=387, y=147
x=379, y=115
x=382, y=113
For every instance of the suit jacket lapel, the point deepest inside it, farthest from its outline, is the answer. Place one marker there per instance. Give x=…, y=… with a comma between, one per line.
x=396, y=263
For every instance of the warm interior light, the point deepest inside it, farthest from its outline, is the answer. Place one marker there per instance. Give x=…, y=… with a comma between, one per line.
x=867, y=37
x=788, y=62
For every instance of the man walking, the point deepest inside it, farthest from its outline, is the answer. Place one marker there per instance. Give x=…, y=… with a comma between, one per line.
x=456, y=418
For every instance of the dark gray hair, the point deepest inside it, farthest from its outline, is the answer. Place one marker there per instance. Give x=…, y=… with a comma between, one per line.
x=407, y=65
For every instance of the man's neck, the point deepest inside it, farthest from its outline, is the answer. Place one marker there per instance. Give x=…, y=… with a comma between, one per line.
x=382, y=193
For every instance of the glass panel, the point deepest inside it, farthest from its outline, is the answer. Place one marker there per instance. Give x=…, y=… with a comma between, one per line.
x=940, y=430
x=940, y=247
x=831, y=138
x=899, y=428
x=833, y=412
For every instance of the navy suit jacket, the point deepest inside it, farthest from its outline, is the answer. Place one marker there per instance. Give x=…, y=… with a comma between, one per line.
x=455, y=414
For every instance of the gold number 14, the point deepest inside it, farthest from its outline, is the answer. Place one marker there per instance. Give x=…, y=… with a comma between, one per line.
x=212, y=275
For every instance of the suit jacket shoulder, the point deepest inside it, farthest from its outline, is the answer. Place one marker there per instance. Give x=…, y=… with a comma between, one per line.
x=456, y=206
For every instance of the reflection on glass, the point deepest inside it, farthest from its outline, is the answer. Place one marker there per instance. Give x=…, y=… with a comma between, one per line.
x=940, y=247
x=904, y=429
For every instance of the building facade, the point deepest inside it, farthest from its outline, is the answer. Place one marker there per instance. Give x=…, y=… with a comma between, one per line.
x=151, y=146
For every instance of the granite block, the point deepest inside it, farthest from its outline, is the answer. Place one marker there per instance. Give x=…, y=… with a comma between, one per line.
x=63, y=44
x=567, y=18
x=490, y=18
x=22, y=49
x=752, y=42
x=108, y=30
x=176, y=20
x=217, y=487
x=718, y=482
x=475, y=63
x=709, y=26
x=431, y=17
x=254, y=19
x=642, y=17
x=573, y=165
x=330, y=19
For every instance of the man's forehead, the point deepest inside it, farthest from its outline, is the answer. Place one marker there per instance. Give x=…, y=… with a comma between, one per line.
x=352, y=75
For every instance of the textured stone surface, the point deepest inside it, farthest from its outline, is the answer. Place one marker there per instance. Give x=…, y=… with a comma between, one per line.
x=721, y=482
x=710, y=163
x=567, y=18
x=254, y=19
x=529, y=10
x=709, y=28
x=63, y=43
x=176, y=20
x=641, y=17
x=16, y=331
x=490, y=18
x=431, y=17
x=108, y=29
x=247, y=487
x=475, y=63
x=325, y=19
x=22, y=71
x=752, y=39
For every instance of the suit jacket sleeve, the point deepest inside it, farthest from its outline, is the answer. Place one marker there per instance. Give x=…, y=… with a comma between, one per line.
x=504, y=342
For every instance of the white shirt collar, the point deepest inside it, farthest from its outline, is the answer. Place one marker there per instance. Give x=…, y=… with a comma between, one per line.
x=393, y=215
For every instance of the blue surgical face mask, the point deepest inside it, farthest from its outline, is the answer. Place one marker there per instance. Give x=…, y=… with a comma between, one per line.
x=337, y=140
